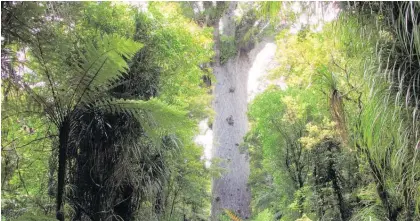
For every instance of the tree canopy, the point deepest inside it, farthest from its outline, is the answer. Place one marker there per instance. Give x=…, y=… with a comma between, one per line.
x=101, y=103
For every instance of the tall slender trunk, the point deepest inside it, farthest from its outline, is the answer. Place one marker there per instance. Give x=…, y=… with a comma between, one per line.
x=64, y=131
x=333, y=176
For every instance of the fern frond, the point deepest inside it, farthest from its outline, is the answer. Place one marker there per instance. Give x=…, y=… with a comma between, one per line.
x=156, y=117
x=103, y=61
x=232, y=215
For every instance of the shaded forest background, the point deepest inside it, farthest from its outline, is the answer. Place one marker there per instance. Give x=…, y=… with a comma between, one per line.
x=101, y=104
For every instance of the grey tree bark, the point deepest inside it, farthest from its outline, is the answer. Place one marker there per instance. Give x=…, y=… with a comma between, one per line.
x=231, y=190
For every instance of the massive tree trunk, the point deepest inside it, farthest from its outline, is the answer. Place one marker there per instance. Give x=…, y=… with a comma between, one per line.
x=231, y=190
x=234, y=57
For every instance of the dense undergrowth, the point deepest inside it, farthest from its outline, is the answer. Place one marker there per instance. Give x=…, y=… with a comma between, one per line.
x=341, y=143
x=103, y=94
x=101, y=102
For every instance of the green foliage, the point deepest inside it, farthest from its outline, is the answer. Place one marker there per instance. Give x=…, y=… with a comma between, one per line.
x=264, y=215
x=26, y=151
x=31, y=217
x=177, y=53
x=180, y=52
x=304, y=218
x=119, y=92
x=365, y=133
x=121, y=19
x=270, y=9
x=277, y=155
x=228, y=48
x=94, y=48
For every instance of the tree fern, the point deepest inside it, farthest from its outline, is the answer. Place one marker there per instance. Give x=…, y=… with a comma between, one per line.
x=98, y=65
x=156, y=116
x=103, y=62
